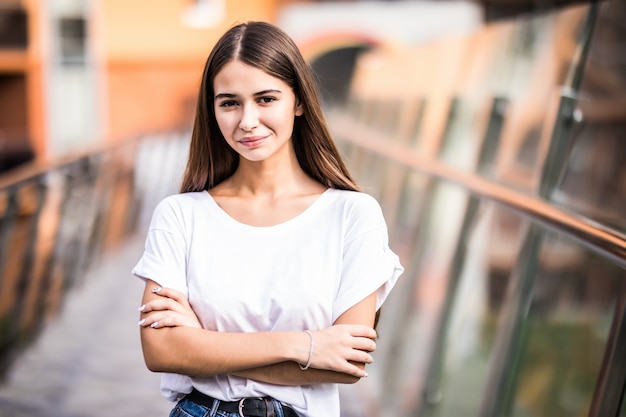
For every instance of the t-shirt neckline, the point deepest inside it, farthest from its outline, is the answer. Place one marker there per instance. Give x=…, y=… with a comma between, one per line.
x=313, y=208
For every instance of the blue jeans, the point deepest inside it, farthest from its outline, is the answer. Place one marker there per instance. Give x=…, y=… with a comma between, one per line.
x=187, y=408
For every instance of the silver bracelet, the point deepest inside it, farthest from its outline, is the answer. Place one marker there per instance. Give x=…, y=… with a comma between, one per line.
x=308, y=362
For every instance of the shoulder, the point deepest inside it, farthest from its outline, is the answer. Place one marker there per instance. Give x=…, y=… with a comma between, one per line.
x=358, y=209
x=357, y=213
x=356, y=202
x=177, y=207
x=182, y=201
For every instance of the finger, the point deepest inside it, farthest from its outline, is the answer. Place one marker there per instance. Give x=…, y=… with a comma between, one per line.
x=146, y=322
x=168, y=317
x=354, y=370
x=159, y=324
x=160, y=304
x=150, y=319
x=159, y=320
x=365, y=344
x=360, y=356
x=359, y=330
x=170, y=293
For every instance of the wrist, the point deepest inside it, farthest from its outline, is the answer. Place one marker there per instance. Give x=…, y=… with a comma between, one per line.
x=305, y=365
x=297, y=346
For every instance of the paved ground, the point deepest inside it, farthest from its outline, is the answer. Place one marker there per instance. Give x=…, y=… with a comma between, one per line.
x=88, y=361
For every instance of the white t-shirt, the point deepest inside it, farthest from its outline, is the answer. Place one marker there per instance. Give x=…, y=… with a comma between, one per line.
x=300, y=274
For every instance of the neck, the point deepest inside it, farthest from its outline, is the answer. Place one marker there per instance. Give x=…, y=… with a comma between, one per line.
x=272, y=179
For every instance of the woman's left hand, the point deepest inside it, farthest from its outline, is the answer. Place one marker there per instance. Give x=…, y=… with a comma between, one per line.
x=170, y=309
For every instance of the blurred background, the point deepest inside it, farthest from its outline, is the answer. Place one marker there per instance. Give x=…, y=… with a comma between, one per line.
x=492, y=132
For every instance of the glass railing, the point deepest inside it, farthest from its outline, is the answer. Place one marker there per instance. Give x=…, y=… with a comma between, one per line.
x=502, y=178
x=53, y=221
x=58, y=219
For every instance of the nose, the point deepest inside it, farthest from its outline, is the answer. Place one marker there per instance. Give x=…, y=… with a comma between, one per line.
x=249, y=118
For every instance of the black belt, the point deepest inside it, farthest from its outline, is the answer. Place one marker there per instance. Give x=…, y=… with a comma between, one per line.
x=246, y=407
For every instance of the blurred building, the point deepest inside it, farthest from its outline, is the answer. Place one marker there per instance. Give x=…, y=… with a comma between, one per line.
x=19, y=76
x=78, y=75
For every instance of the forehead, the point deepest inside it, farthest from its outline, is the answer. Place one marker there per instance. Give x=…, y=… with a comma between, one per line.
x=239, y=78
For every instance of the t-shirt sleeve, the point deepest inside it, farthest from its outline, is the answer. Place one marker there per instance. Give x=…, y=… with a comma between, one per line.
x=368, y=264
x=164, y=256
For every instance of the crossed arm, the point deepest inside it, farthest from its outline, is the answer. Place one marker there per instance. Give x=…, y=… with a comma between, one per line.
x=174, y=341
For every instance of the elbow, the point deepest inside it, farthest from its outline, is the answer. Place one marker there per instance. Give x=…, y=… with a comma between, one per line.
x=351, y=379
x=155, y=353
x=152, y=367
x=153, y=361
x=164, y=352
x=153, y=364
x=348, y=379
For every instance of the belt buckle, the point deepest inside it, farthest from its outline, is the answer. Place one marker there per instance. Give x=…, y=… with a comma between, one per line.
x=241, y=406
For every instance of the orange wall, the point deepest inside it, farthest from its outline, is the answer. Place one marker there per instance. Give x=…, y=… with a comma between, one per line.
x=153, y=63
x=34, y=67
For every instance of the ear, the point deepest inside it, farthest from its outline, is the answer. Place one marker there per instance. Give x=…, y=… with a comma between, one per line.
x=299, y=110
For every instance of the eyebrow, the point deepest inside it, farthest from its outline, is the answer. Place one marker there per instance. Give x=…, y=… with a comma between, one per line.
x=260, y=93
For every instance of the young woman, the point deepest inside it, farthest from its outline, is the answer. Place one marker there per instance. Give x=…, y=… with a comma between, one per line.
x=264, y=275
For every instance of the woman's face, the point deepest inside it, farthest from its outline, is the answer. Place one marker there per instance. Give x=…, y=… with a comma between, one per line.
x=255, y=111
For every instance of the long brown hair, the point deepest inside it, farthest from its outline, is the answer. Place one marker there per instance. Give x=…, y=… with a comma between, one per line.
x=264, y=46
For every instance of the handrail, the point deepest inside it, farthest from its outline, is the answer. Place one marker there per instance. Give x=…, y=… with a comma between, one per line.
x=55, y=216
x=593, y=235
x=58, y=217
x=38, y=167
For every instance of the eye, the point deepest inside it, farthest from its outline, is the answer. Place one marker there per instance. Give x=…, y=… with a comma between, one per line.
x=267, y=99
x=227, y=103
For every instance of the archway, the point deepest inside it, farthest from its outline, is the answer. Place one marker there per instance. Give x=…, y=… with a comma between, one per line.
x=334, y=70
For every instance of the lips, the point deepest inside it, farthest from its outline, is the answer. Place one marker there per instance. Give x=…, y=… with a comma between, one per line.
x=252, y=141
